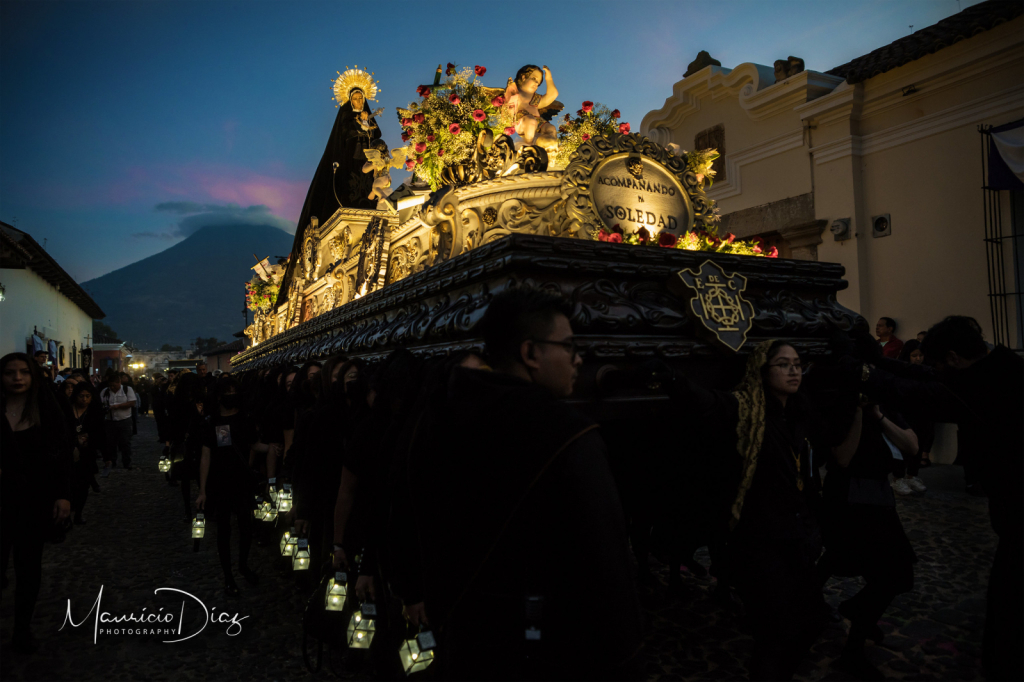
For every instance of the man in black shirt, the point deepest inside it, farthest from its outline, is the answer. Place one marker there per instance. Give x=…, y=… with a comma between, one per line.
x=526, y=532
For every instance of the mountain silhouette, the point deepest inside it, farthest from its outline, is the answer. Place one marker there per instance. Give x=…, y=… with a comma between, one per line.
x=195, y=288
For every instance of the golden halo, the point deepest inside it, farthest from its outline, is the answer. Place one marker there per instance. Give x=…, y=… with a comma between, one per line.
x=354, y=78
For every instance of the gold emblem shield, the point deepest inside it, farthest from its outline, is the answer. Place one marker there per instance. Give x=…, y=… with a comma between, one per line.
x=717, y=303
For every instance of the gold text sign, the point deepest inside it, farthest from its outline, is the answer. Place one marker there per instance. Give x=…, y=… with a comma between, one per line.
x=717, y=303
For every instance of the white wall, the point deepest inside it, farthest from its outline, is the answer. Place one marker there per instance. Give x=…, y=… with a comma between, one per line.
x=30, y=301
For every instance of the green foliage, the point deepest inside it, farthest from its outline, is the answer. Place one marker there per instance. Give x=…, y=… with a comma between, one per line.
x=202, y=345
x=100, y=328
x=590, y=121
x=427, y=126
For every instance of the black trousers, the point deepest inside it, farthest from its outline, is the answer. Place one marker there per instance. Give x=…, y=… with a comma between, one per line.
x=242, y=510
x=783, y=603
x=80, y=482
x=25, y=541
x=119, y=437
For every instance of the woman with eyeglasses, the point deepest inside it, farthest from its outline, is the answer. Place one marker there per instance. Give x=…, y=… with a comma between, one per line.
x=774, y=538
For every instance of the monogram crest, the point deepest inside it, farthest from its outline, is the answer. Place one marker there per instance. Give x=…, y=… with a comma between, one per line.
x=718, y=303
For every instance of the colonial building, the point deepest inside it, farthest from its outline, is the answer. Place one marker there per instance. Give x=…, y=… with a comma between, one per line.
x=42, y=306
x=874, y=164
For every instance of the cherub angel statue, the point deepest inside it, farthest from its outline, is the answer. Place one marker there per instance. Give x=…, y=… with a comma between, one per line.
x=528, y=111
x=380, y=162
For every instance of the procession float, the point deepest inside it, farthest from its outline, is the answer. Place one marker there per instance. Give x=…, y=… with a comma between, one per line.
x=508, y=189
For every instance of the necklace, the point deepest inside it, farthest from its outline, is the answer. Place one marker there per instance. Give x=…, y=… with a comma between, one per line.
x=799, y=478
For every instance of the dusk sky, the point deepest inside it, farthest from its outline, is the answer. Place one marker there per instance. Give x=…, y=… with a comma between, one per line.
x=125, y=126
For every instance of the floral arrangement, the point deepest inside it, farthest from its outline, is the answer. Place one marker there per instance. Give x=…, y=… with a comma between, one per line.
x=699, y=161
x=261, y=294
x=591, y=120
x=700, y=240
x=442, y=129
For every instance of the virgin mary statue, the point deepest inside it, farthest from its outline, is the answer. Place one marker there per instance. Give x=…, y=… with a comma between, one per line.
x=354, y=129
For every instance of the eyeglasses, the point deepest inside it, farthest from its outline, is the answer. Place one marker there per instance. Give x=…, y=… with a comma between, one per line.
x=789, y=367
x=568, y=345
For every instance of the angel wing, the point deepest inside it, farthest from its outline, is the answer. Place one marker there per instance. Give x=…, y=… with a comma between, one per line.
x=399, y=155
x=375, y=158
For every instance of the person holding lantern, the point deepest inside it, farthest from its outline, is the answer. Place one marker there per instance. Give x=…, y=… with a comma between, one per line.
x=35, y=481
x=525, y=557
x=228, y=451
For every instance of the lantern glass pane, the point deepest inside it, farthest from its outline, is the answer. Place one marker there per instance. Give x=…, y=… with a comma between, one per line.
x=360, y=631
x=414, y=660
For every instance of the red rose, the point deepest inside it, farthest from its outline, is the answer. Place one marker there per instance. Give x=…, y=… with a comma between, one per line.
x=405, y=136
x=419, y=160
x=407, y=122
x=430, y=138
x=409, y=164
x=479, y=115
x=423, y=91
x=421, y=147
x=667, y=239
x=455, y=129
x=644, y=235
x=615, y=238
x=450, y=70
x=419, y=118
x=602, y=236
x=616, y=114
x=498, y=101
x=579, y=112
x=588, y=106
x=440, y=152
x=774, y=253
x=584, y=137
x=624, y=128
x=510, y=131
x=453, y=98
x=757, y=248
x=480, y=71
x=729, y=237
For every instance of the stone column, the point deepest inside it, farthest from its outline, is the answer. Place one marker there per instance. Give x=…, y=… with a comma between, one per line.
x=803, y=239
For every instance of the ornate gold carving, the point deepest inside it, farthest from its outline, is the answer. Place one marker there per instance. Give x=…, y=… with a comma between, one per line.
x=341, y=244
x=327, y=303
x=490, y=216
x=311, y=251
x=403, y=261
x=577, y=191
x=718, y=304
x=635, y=166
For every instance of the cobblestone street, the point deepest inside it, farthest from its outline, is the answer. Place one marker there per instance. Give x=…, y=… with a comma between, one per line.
x=137, y=540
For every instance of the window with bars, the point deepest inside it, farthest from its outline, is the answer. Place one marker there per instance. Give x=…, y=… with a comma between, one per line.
x=1004, y=244
x=713, y=138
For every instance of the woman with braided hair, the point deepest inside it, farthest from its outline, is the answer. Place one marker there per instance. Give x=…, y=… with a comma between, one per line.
x=774, y=538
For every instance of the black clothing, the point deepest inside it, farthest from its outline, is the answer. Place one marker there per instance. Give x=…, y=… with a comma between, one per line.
x=517, y=499
x=772, y=550
x=318, y=459
x=230, y=440
x=986, y=401
x=36, y=464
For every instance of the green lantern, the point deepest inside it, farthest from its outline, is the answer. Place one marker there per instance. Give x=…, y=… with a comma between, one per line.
x=164, y=465
x=272, y=486
x=417, y=652
x=337, y=592
x=284, y=540
x=284, y=499
x=300, y=561
x=361, y=627
x=199, y=526
x=257, y=513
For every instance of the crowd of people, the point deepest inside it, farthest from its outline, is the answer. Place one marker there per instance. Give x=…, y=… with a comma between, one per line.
x=464, y=495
